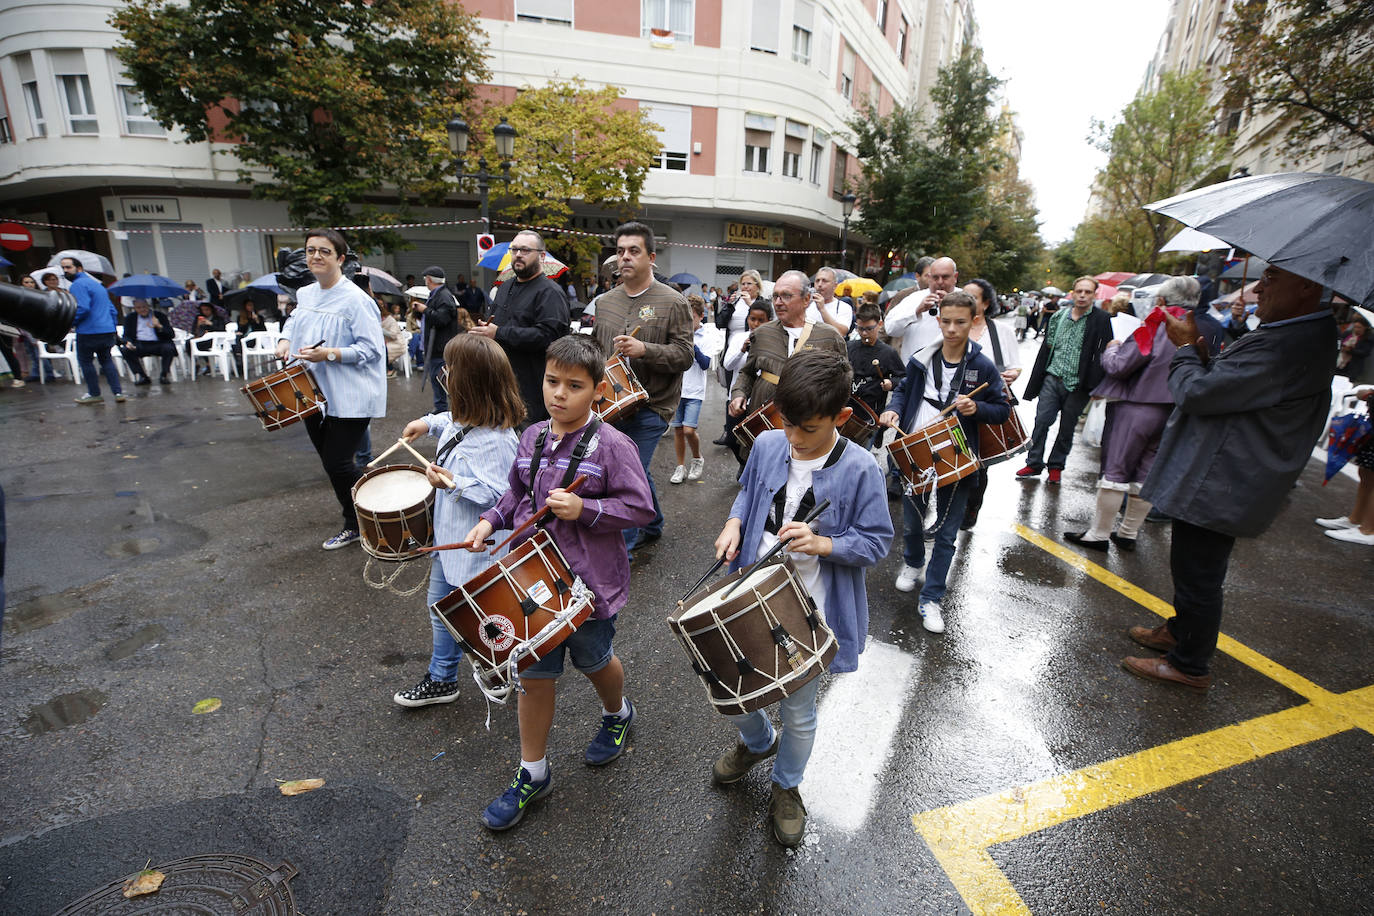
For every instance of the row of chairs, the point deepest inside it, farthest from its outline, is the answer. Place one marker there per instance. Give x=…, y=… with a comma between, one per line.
x=215, y=347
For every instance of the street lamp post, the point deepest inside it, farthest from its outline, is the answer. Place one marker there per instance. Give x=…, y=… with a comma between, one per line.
x=847, y=203
x=504, y=135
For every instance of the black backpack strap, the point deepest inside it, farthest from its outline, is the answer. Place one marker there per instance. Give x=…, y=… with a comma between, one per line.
x=451, y=444
x=579, y=452
x=535, y=458
x=996, y=345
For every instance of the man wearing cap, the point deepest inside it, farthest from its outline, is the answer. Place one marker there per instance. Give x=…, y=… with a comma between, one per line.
x=1240, y=434
x=530, y=312
x=438, y=325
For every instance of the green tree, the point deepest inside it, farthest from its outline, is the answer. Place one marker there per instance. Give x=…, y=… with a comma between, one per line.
x=572, y=144
x=341, y=105
x=1313, y=62
x=1163, y=144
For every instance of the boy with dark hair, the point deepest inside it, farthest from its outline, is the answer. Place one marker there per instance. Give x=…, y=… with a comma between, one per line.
x=587, y=526
x=801, y=465
x=939, y=376
x=877, y=367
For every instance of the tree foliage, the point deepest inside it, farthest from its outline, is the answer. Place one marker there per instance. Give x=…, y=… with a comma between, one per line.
x=572, y=144
x=1163, y=144
x=1313, y=61
x=336, y=102
x=944, y=185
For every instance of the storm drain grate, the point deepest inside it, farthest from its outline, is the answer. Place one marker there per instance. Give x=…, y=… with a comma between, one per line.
x=217, y=885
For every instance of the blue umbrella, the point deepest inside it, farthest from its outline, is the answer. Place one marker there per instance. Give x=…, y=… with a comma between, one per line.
x=5, y=262
x=492, y=259
x=148, y=286
x=685, y=279
x=267, y=282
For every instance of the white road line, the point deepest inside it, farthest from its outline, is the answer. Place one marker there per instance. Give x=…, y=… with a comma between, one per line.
x=858, y=720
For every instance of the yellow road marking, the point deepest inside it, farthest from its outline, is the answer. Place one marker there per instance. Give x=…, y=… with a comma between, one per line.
x=960, y=835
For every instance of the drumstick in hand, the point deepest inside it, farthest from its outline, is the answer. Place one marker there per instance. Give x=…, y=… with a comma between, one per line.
x=464, y=545
x=406, y=442
x=636, y=330
x=969, y=395
x=539, y=516
x=378, y=459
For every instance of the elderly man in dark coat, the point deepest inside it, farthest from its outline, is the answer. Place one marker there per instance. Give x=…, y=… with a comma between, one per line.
x=1241, y=432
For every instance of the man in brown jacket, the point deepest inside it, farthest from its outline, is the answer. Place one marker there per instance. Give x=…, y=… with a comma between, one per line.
x=649, y=324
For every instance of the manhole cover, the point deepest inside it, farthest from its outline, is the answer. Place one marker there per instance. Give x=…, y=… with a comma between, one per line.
x=218, y=885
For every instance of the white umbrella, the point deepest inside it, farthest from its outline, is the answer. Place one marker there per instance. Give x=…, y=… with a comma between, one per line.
x=1189, y=239
x=91, y=262
x=38, y=277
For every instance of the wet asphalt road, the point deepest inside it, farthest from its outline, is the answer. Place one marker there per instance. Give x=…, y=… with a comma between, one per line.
x=166, y=550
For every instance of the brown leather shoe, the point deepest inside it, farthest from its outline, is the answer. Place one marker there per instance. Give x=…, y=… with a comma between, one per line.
x=1158, y=638
x=1159, y=669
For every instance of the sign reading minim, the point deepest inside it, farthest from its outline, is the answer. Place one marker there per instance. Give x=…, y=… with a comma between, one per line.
x=151, y=209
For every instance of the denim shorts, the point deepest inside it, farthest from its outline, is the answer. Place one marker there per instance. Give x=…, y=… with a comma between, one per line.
x=590, y=647
x=688, y=412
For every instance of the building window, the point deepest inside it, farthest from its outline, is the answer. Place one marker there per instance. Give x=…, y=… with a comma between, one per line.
x=901, y=39
x=823, y=42
x=78, y=102
x=675, y=134
x=37, y=122
x=794, y=145
x=676, y=16
x=838, y=175
x=882, y=16
x=137, y=119
x=847, y=74
x=758, y=141
x=763, y=29
x=553, y=12
x=803, y=20
x=817, y=157
x=6, y=136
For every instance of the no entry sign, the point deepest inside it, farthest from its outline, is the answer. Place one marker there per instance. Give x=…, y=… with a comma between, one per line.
x=15, y=237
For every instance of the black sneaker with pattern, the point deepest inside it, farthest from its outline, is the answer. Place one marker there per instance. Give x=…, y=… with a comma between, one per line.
x=427, y=692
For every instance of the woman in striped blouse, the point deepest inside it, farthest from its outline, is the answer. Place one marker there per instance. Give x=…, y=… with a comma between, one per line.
x=335, y=328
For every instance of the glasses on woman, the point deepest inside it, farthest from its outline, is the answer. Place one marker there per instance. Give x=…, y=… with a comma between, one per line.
x=319, y=252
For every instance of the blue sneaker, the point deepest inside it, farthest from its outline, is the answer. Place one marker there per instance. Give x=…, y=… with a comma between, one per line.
x=510, y=807
x=609, y=742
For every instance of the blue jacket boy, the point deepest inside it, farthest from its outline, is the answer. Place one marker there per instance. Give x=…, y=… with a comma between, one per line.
x=992, y=401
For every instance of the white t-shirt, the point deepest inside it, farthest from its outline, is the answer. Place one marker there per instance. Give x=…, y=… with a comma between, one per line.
x=694, y=379
x=933, y=392
x=793, y=335
x=808, y=566
x=843, y=312
x=916, y=330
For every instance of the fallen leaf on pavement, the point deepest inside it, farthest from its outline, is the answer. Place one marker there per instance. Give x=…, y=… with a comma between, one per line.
x=209, y=704
x=300, y=786
x=145, y=882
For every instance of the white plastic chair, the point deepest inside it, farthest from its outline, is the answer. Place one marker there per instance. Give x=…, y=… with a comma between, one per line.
x=217, y=347
x=181, y=340
x=67, y=353
x=272, y=326
x=405, y=354
x=258, y=345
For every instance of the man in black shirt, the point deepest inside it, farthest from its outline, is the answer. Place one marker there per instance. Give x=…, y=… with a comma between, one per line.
x=530, y=312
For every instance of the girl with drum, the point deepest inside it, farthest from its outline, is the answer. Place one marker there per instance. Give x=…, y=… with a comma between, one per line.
x=477, y=444
x=334, y=327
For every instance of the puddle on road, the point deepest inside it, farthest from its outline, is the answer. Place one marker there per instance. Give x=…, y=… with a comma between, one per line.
x=66, y=710
x=132, y=547
x=126, y=647
x=40, y=612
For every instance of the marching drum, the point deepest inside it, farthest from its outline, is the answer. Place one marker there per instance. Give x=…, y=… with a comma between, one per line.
x=999, y=441
x=627, y=394
x=515, y=612
x=933, y=457
x=860, y=426
x=281, y=398
x=758, y=646
x=395, y=506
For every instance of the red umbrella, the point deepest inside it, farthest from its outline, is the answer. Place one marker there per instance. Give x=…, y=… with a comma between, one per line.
x=1114, y=277
x=1105, y=291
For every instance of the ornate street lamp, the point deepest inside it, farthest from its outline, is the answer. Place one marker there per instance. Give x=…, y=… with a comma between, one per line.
x=504, y=135
x=847, y=203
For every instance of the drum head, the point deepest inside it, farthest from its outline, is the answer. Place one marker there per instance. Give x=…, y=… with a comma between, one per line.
x=392, y=489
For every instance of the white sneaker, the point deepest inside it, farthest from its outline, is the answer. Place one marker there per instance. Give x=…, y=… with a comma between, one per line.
x=1352, y=535
x=679, y=475
x=698, y=465
x=908, y=577
x=1336, y=524
x=930, y=617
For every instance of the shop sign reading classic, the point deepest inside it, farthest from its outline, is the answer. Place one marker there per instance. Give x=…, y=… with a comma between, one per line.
x=756, y=236
x=151, y=209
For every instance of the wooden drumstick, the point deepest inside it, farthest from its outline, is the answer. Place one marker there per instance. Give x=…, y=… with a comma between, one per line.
x=488, y=542
x=539, y=516
x=636, y=330
x=969, y=395
x=406, y=442
x=778, y=548
x=378, y=459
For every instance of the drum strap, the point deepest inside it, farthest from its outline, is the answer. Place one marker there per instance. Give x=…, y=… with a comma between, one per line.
x=775, y=519
x=996, y=346
x=451, y=444
x=935, y=368
x=578, y=454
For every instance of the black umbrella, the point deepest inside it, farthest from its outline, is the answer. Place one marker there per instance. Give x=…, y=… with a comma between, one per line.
x=1317, y=226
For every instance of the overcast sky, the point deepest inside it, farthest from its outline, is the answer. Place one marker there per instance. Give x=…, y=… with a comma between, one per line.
x=1065, y=63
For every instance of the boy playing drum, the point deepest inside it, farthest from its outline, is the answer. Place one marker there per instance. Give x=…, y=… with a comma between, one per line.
x=790, y=471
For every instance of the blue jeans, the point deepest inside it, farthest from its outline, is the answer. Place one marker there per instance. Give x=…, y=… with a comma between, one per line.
x=440, y=395
x=364, y=453
x=89, y=348
x=798, y=734
x=446, y=654
x=949, y=509
x=645, y=427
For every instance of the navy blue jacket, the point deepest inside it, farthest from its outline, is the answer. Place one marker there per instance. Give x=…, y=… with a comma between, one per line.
x=992, y=400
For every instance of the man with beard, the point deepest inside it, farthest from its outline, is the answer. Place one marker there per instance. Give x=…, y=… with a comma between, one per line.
x=530, y=312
